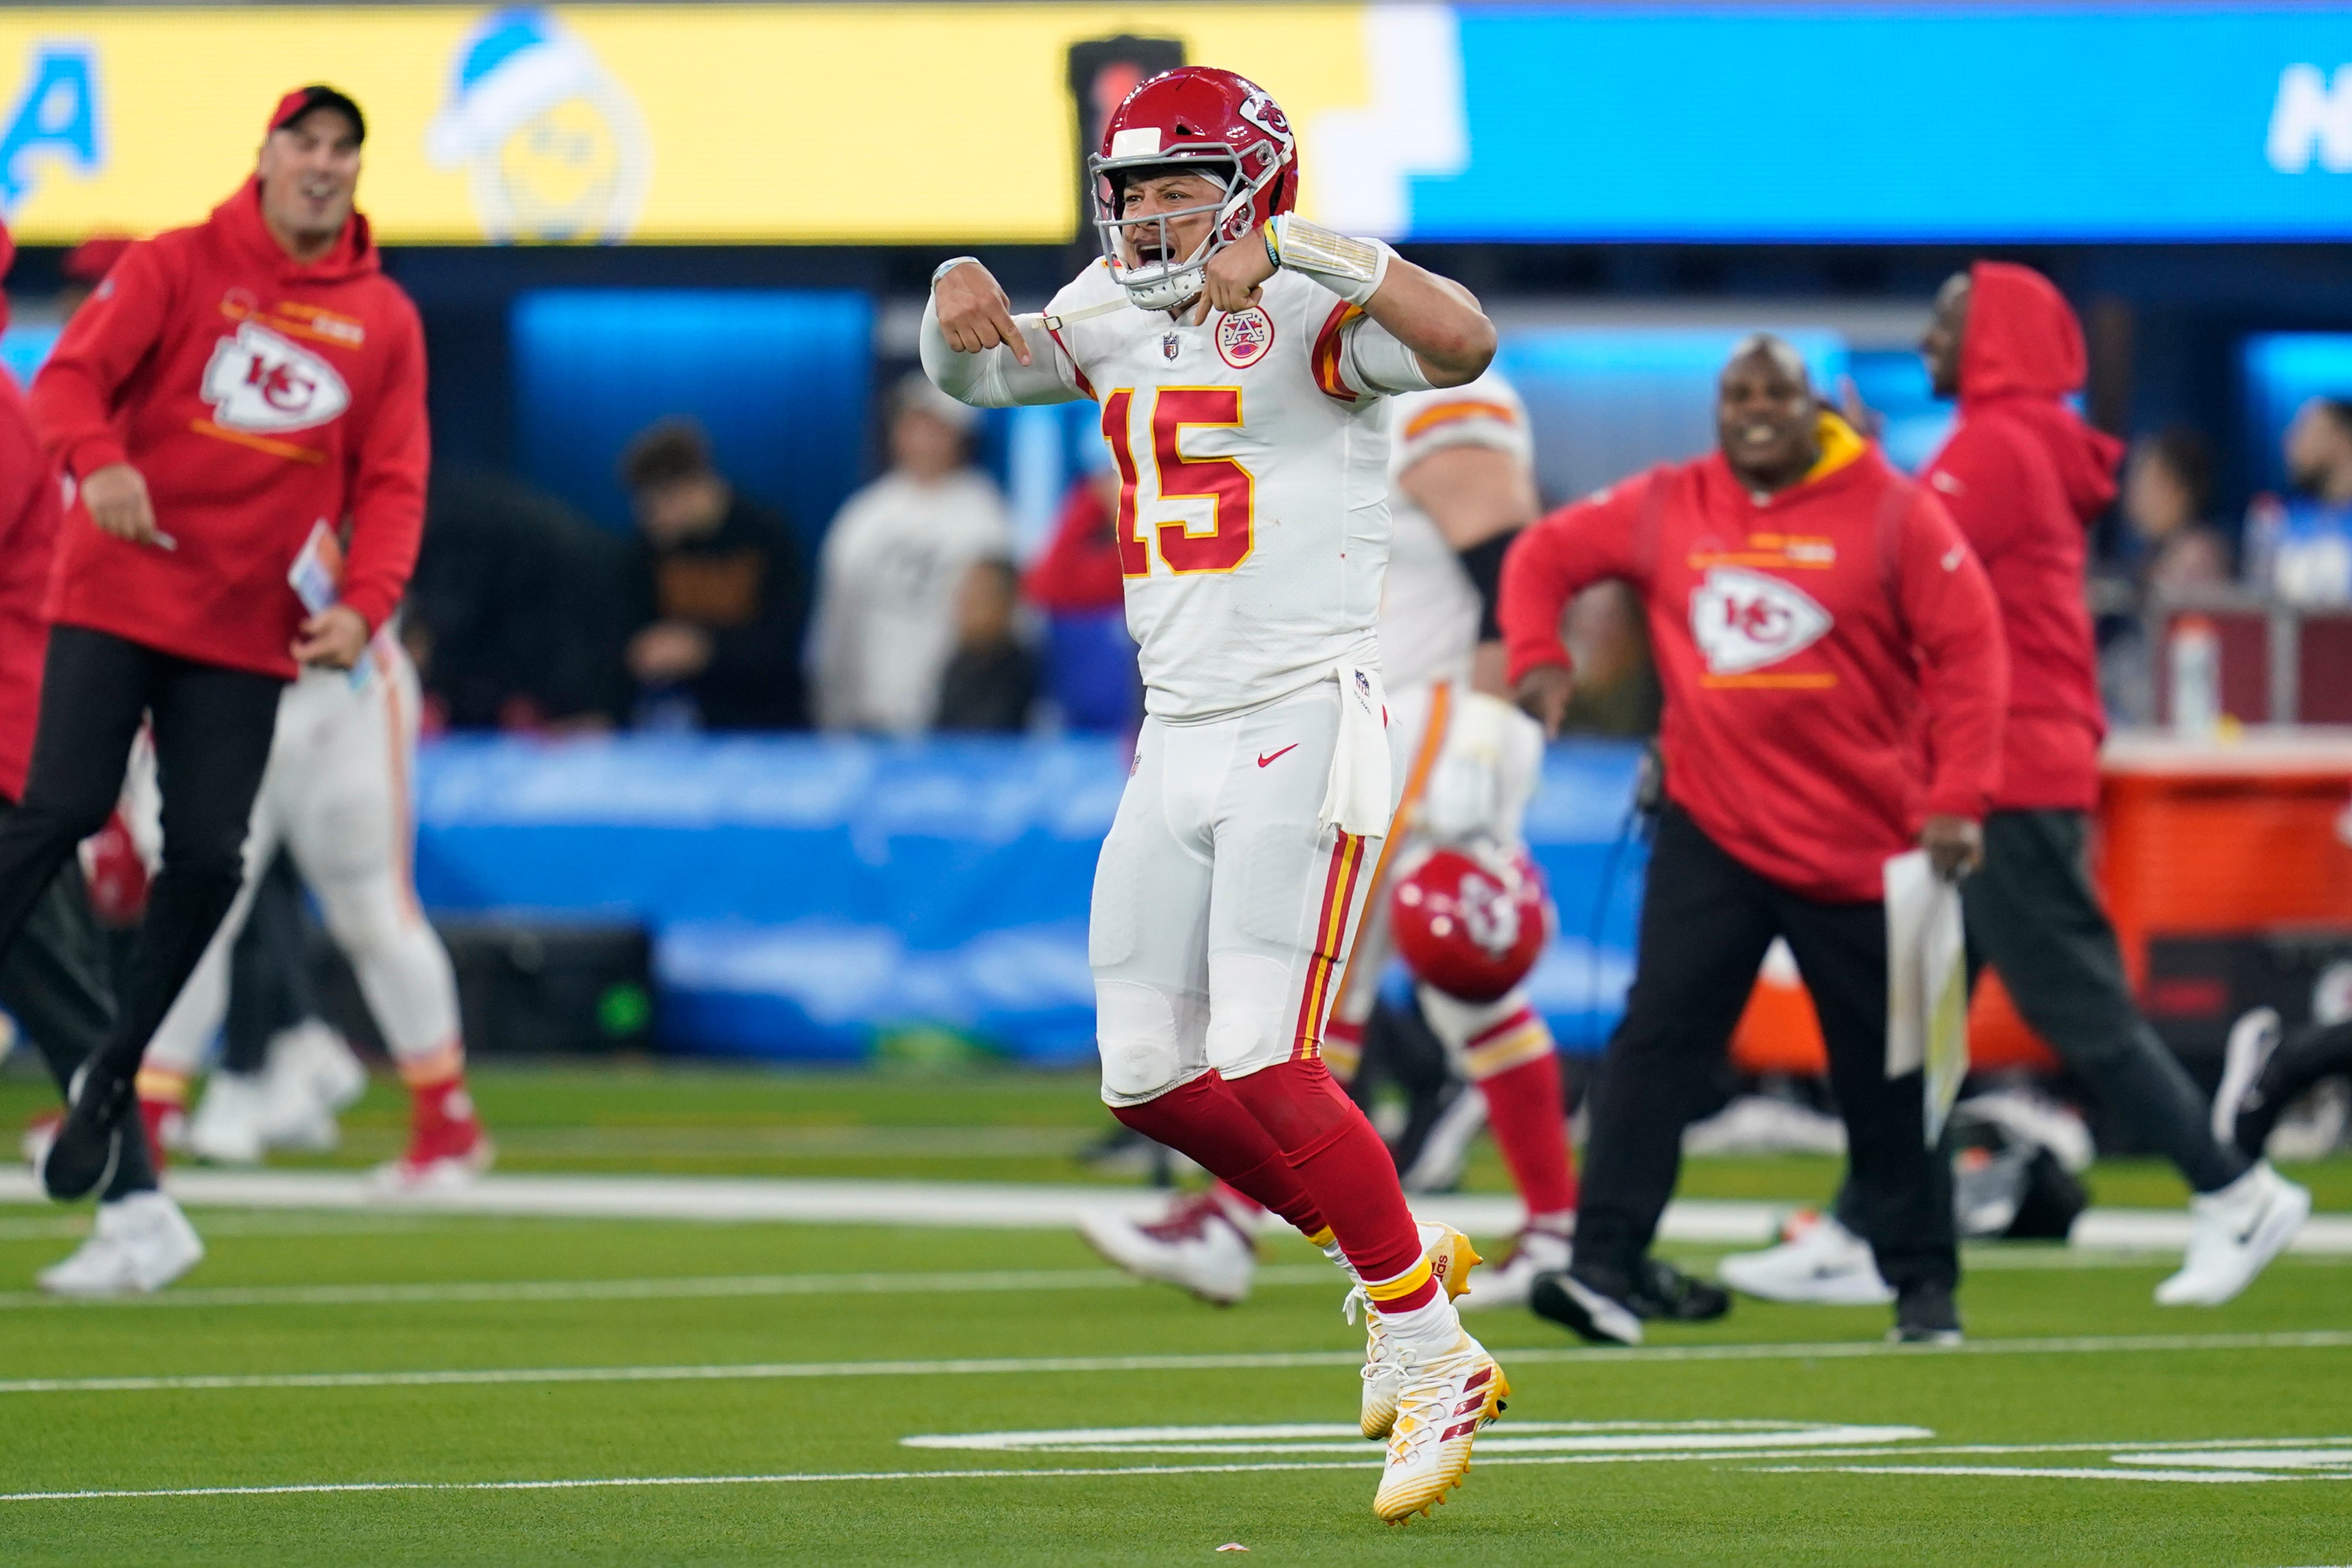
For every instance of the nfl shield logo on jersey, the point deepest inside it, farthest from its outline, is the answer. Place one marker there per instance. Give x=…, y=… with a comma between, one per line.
x=1169, y=345
x=1244, y=337
x=259, y=381
x=1743, y=621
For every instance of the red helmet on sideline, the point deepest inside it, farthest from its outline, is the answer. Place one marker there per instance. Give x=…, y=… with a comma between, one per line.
x=1471, y=925
x=1194, y=114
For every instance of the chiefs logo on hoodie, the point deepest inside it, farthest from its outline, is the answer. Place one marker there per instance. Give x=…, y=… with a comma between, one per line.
x=260, y=381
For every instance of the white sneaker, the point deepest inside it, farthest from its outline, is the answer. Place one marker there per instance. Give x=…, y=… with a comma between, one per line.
x=315, y=1053
x=1197, y=1247
x=1507, y=1284
x=1441, y=1402
x=2252, y=1040
x=227, y=1127
x=1451, y=1258
x=1822, y=1263
x=2233, y=1235
x=141, y=1244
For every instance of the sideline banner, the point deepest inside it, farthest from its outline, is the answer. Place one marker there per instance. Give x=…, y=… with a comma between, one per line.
x=951, y=124
x=668, y=124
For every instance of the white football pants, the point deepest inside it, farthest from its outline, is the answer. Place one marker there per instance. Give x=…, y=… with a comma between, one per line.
x=1223, y=909
x=338, y=795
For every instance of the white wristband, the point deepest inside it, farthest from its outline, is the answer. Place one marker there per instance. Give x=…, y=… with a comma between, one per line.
x=1352, y=268
x=949, y=265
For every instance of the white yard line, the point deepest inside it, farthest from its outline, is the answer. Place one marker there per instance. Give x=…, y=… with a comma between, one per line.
x=992, y=1204
x=2028, y=1472
x=1034, y=1365
x=1058, y=1472
x=683, y=1288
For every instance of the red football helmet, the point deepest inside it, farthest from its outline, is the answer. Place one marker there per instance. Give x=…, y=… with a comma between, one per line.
x=1194, y=114
x=1471, y=925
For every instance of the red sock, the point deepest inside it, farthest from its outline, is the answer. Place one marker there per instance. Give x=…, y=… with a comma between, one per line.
x=1346, y=1170
x=436, y=1105
x=1202, y=1121
x=1523, y=1108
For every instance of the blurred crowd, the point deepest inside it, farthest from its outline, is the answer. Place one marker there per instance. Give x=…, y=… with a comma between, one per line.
x=916, y=617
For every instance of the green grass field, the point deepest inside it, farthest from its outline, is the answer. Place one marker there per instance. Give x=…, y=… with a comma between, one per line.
x=722, y=1393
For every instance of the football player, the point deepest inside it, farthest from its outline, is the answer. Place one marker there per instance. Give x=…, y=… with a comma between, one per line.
x=337, y=793
x=1242, y=358
x=1462, y=485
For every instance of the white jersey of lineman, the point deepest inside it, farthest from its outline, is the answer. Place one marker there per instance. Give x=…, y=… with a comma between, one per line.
x=1254, y=515
x=1429, y=614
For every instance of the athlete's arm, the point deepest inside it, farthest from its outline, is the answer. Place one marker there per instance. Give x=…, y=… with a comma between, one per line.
x=1549, y=563
x=1479, y=496
x=976, y=352
x=1446, y=337
x=1472, y=493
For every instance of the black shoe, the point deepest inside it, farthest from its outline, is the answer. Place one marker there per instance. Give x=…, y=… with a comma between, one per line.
x=1924, y=1315
x=1663, y=1293
x=82, y=1158
x=1596, y=1310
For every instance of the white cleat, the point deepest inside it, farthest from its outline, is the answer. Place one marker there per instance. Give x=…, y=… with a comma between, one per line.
x=1197, y=1247
x=314, y=1054
x=227, y=1124
x=141, y=1244
x=2254, y=1039
x=1821, y=1264
x=1441, y=1402
x=1509, y=1282
x=1451, y=1258
x=2233, y=1235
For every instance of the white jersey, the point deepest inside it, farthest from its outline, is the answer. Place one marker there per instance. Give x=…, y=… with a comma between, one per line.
x=1253, y=518
x=1428, y=613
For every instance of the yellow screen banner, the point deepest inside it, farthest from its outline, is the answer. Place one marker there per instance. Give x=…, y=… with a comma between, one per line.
x=671, y=124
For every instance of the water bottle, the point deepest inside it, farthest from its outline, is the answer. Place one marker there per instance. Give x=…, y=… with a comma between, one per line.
x=2194, y=649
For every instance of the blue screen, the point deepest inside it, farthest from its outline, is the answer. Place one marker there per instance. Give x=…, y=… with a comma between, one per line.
x=2283, y=370
x=780, y=380
x=1924, y=122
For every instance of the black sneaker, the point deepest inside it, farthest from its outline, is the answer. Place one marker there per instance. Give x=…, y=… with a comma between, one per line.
x=1924, y=1315
x=1663, y=1293
x=82, y=1156
x=1595, y=1310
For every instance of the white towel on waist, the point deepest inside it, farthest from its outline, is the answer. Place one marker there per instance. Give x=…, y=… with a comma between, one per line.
x=1359, y=799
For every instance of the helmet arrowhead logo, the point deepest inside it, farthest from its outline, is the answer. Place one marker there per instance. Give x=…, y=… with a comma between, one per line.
x=1743, y=620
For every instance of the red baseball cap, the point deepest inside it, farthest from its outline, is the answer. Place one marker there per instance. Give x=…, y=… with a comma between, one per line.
x=317, y=95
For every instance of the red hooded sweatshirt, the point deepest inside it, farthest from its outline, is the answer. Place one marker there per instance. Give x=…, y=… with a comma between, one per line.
x=1798, y=637
x=2024, y=477
x=30, y=509
x=258, y=397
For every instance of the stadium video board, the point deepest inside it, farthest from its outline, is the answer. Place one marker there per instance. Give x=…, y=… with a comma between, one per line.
x=951, y=124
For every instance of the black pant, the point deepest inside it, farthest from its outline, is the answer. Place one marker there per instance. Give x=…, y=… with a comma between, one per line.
x=2295, y=1070
x=1706, y=920
x=212, y=728
x=54, y=980
x=2032, y=914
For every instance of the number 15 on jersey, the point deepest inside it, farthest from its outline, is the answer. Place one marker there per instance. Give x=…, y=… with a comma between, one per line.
x=1221, y=481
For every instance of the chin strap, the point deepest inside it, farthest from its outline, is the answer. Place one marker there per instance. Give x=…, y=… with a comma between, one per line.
x=1100, y=308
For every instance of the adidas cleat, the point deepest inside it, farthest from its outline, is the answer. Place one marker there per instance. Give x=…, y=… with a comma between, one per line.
x=1451, y=1258
x=1441, y=1403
